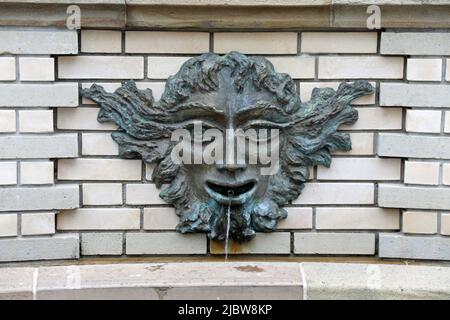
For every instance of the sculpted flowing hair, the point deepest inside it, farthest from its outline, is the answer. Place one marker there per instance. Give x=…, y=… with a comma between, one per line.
x=310, y=134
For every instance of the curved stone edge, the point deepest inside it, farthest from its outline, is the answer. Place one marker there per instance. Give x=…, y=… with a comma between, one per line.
x=232, y=280
x=231, y=14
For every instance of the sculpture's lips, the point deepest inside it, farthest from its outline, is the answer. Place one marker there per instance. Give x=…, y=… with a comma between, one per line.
x=236, y=193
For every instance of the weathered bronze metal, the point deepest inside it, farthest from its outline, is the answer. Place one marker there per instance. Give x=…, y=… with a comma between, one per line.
x=230, y=91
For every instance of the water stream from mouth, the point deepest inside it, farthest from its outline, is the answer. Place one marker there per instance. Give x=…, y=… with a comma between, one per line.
x=227, y=235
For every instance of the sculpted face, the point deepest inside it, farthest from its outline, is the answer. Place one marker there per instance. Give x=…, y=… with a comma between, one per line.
x=230, y=95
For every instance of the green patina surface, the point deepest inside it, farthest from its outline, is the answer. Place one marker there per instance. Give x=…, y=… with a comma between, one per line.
x=232, y=91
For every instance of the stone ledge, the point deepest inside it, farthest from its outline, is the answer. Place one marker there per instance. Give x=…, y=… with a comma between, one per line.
x=232, y=280
x=230, y=14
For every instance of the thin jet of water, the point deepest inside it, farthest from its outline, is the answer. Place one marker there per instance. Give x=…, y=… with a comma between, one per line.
x=230, y=195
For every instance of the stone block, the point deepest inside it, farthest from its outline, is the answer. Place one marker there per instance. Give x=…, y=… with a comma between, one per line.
x=7, y=69
x=99, y=169
x=39, y=95
x=426, y=121
x=348, y=218
x=99, y=219
x=7, y=121
x=102, y=41
x=37, y=69
x=263, y=243
x=160, y=218
x=337, y=193
x=400, y=196
x=415, y=95
x=143, y=194
x=38, y=223
x=36, y=172
x=424, y=222
x=39, y=41
x=413, y=146
x=39, y=198
x=98, y=144
x=256, y=42
x=138, y=243
x=8, y=225
x=424, y=70
x=339, y=42
x=101, y=67
x=166, y=42
x=360, y=169
x=61, y=145
x=355, y=67
x=296, y=67
x=8, y=172
x=101, y=243
x=57, y=247
x=421, y=172
x=334, y=243
x=36, y=121
x=415, y=43
x=102, y=194
x=414, y=247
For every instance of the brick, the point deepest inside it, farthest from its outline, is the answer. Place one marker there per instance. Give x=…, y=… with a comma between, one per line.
x=298, y=218
x=421, y=172
x=7, y=121
x=39, y=42
x=413, y=247
x=296, y=67
x=415, y=95
x=102, y=194
x=81, y=119
x=420, y=222
x=8, y=225
x=362, y=144
x=377, y=119
x=39, y=95
x=447, y=73
x=95, y=144
x=445, y=224
x=256, y=42
x=101, y=243
x=38, y=223
x=413, y=146
x=424, y=69
x=306, y=89
x=447, y=122
x=360, y=169
x=101, y=67
x=36, y=121
x=62, y=246
x=400, y=196
x=104, y=41
x=164, y=42
x=8, y=172
x=40, y=198
x=339, y=42
x=99, y=219
x=164, y=67
x=415, y=43
x=357, y=218
x=160, y=219
x=423, y=121
x=36, y=172
x=7, y=68
x=165, y=243
x=360, y=67
x=37, y=69
x=263, y=243
x=337, y=193
x=99, y=169
x=334, y=243
x=446, y=173
x=143, y=194
x=60, y=145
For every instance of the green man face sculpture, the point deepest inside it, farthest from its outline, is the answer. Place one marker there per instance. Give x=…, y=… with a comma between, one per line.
x=211, y=101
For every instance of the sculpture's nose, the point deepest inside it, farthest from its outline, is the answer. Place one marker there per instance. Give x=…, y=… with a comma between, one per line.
x=232, y=167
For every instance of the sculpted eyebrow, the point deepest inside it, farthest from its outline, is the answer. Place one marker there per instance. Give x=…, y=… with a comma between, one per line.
x=188, y=111
x=264, y=112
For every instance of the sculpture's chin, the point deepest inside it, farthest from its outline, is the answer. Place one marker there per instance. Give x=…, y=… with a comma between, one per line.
x=233, y=193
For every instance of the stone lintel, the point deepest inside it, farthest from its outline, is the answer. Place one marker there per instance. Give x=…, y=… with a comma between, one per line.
x=231, y=14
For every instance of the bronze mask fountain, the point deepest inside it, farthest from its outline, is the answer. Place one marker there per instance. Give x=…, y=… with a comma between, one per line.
x=233, y=92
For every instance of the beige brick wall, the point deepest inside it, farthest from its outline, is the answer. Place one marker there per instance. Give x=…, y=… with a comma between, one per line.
x=113, y=208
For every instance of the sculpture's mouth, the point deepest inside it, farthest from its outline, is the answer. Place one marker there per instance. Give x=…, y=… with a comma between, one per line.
x=236, y=193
